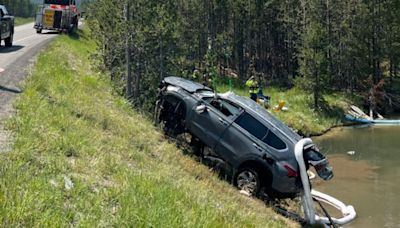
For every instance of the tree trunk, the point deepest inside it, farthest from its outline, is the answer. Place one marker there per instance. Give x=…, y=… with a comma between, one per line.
x=138, y=76
x=128, y=55
x=161, y=58
x=316, y=85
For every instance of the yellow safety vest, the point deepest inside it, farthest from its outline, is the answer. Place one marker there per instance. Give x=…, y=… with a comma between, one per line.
x=253, y=85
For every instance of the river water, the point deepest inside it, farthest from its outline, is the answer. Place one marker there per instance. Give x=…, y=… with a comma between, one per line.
x=370, y=178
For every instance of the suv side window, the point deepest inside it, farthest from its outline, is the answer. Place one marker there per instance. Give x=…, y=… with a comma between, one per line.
x=274, y=141
x=257, y=129
x=253, y=126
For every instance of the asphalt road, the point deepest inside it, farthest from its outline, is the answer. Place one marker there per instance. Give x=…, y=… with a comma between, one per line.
x=14, y=65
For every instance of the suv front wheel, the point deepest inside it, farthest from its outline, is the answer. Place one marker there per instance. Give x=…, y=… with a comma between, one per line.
x=9, y=41
x=171, y=115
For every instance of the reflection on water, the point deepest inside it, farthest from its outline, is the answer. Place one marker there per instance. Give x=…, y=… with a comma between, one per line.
x=370, y=179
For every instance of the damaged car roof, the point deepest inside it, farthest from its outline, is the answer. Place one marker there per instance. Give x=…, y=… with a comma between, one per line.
x=185, y=84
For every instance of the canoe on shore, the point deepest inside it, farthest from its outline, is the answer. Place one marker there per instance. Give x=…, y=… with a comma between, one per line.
x=371, y=121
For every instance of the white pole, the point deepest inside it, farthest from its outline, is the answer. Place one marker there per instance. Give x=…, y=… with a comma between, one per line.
x=348, y=212
x=308, y=205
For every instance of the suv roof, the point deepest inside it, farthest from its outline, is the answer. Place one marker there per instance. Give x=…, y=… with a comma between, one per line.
x=185, y=84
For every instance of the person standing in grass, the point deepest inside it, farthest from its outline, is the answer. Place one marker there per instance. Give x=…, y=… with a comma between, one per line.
x=252, y=83
x=196, y=74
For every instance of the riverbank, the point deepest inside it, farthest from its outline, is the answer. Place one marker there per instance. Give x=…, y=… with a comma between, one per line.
x=301, y=115
x=82, y=157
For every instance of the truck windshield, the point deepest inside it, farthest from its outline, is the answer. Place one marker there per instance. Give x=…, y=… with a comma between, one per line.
x=57, y=2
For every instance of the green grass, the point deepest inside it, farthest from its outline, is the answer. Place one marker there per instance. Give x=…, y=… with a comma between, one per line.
x=23, y=20
x=301, y=116
x=69, y=126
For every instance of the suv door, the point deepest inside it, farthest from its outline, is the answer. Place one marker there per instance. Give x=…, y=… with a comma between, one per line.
x=242, y=139
x=210, y=122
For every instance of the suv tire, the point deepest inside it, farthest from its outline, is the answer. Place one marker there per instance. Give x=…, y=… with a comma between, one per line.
x=170, y=117
x=9, y=40
x=248, y=179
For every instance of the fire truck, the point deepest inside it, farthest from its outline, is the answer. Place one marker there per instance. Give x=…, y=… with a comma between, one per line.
x=57, y=15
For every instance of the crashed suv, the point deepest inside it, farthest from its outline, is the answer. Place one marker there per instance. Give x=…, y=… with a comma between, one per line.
x=241, y=137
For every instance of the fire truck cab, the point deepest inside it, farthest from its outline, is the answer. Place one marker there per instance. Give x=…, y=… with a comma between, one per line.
x=58, y=15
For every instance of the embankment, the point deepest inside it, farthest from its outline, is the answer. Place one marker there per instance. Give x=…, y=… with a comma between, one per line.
x=83, y=157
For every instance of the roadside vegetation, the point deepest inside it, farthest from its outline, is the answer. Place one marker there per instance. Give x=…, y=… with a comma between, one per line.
x=20, y=8
x=83, y=157
x=319, y=48
x=23, y=20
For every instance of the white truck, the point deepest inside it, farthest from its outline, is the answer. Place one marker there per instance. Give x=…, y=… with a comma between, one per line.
x=57, y=15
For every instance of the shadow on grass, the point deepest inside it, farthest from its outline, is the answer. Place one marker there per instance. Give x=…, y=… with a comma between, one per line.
x=329, y=111
x=74, y=35
x=77, y=35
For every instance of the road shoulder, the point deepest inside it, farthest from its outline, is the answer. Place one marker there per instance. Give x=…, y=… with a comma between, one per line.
x=11, y=80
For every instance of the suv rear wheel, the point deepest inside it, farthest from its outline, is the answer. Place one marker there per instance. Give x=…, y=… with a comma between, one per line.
x=248, y=179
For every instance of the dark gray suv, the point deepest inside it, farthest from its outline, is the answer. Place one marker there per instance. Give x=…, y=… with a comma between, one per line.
x=241, y=137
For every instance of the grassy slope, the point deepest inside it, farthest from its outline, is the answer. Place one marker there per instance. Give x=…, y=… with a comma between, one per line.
x=23, y=20
x=301, y=115
x=69, y=126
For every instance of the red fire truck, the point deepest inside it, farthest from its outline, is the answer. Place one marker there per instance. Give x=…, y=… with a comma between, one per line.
x=58, y=15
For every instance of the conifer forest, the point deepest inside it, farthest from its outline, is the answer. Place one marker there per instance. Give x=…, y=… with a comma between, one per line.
x=320, y=46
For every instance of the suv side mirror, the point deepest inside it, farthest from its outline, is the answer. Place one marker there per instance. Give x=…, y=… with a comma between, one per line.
x=201, y=108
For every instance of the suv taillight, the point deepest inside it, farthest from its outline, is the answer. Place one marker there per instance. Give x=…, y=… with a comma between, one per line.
x=291, y=171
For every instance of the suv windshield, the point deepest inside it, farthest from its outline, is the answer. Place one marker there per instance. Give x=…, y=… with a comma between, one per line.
x=225, y=107
x=57, y=2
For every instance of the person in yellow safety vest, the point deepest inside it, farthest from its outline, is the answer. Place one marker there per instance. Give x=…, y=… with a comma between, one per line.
x=196, y=74
x=252, y=83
